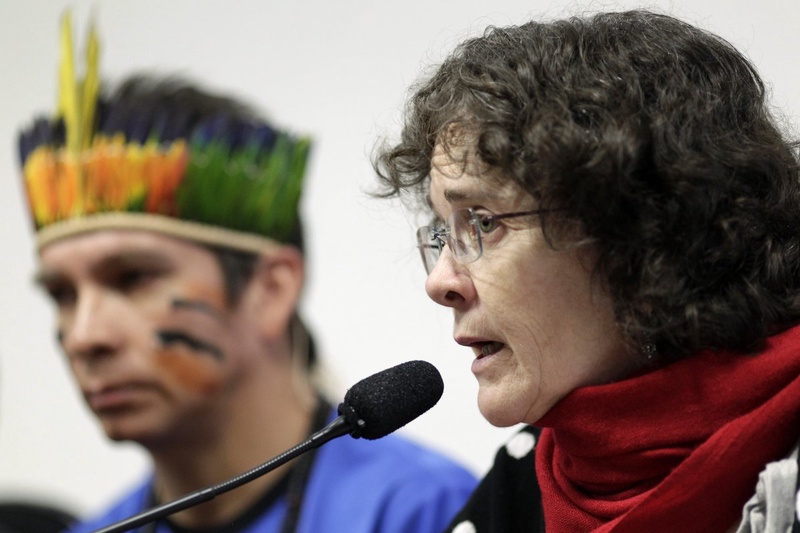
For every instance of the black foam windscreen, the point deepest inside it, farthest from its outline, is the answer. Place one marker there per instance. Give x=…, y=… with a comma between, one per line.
x=388, y=400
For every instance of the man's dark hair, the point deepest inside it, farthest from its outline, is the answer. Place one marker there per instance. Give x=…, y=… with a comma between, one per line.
x=174, y=108
x=237, y=269
x=237, y=266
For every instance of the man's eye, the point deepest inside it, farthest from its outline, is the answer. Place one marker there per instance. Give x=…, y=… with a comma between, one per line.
x=130, y=279
x=60, y=294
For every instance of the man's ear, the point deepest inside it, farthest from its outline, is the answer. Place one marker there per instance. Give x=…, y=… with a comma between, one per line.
x=277, y=285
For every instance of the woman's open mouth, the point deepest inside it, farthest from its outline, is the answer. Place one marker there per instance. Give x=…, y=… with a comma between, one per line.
x=483, y=349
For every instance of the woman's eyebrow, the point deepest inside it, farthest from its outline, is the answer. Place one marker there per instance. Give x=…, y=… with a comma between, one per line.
x=463, y=195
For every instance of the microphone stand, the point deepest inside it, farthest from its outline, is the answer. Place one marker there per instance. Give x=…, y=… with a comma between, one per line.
x=335, y=429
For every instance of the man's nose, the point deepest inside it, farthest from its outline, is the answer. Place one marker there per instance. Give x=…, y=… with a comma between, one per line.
x=93, y=329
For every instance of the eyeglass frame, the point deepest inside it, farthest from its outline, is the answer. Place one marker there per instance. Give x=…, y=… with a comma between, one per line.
x=430, y=237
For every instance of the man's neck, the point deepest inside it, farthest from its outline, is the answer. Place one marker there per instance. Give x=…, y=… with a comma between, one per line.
x=250, y=437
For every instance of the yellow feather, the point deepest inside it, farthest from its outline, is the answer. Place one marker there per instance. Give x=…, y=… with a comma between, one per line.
x=68, y=98
x=91, y=87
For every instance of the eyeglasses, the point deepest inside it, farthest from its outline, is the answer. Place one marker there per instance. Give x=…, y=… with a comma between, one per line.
x=462, y=233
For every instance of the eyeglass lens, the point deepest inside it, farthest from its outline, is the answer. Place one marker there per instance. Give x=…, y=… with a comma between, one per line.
x=461, y=234
x=430, y=247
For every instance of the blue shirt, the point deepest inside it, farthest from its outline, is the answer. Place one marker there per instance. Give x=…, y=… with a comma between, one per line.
x=389, y=485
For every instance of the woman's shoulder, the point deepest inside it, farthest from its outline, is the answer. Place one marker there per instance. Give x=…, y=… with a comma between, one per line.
x=508, y=498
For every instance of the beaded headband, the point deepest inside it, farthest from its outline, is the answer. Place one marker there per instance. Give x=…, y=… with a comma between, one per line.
x=224, y=180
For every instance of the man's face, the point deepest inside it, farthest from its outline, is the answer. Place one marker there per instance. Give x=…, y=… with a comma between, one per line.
x=145, y=326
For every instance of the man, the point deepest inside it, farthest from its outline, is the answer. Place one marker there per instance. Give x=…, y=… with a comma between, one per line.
x=170, y=244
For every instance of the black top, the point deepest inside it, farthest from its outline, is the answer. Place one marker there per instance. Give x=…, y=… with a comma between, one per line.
x=508, y=499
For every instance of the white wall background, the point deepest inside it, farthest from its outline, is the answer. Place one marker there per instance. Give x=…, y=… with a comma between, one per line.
x=339, y=70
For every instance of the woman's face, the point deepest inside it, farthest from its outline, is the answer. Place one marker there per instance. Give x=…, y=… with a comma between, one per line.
x=538, y=324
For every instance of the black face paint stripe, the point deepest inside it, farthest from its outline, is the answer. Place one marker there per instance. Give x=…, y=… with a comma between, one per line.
x=168, y=337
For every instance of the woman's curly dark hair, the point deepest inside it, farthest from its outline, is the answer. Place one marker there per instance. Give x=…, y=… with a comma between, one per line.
x=655, y=138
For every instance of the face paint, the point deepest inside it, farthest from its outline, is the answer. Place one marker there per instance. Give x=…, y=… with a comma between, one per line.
x=185, y=356
x=170, y=337
x=197, y=374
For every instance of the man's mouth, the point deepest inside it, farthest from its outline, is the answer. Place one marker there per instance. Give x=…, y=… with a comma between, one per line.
x=114, y=397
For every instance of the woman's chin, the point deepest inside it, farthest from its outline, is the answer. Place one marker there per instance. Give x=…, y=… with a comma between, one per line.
x=495, y=410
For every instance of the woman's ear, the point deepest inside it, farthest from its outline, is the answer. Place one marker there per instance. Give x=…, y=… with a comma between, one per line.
x=275, y=290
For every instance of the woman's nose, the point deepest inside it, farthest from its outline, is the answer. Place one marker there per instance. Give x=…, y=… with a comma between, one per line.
x=449, y=283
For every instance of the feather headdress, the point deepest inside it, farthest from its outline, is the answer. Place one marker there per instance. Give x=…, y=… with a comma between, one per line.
x=158, y=156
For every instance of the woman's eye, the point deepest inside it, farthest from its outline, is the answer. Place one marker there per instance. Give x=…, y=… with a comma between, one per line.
x=486, y=224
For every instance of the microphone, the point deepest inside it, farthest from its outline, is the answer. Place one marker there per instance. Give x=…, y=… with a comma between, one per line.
x=388, y=400
x=372, y=408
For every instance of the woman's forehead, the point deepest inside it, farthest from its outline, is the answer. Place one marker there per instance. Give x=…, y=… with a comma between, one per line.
x=464, y=186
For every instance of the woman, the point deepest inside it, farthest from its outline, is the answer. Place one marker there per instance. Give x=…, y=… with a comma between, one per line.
x=616, y=226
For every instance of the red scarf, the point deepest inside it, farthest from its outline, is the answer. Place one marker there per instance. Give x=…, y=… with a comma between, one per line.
x=676, y=449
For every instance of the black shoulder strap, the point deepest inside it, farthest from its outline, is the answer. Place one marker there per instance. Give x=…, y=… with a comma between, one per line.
x=298, y=479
